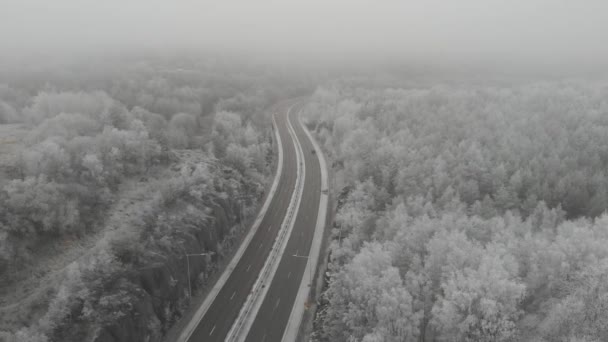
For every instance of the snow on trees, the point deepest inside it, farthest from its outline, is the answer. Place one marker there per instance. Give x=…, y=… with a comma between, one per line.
x=494, y=220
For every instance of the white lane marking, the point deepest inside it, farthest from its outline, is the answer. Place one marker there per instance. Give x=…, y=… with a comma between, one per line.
x=232, y=295
x=288, y=274
x=269, y=227
x=264, y=337
x=212, y=330
x=277, y=304
x=296, y=252
x=248, y=267
x=261, y=245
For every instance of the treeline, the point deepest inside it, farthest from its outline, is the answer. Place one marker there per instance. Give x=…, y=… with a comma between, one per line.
x=184, y=139
x=467, y=213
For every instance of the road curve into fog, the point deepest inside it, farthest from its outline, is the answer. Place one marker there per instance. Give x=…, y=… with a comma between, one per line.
x=217, y=320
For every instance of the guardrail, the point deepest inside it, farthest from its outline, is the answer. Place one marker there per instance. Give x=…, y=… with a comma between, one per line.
x=241, y=325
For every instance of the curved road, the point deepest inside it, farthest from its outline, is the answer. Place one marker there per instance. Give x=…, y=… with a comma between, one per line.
x=271, y=320
x=272, y=317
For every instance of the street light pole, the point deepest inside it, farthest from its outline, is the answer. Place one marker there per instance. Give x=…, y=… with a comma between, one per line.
x=309, y=269
x=188, y=263
x=189, y=285
x=241, y=206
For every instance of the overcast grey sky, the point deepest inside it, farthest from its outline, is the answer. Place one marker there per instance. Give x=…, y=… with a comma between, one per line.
x=517, y=31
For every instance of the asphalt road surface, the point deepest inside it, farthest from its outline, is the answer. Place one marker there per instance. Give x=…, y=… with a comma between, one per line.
x=217, y=321
x=271, y=320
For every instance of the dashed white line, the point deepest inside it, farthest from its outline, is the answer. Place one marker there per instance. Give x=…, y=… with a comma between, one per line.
x=212, y=330
x=288, y=274
x=277, y=303
x=232, y=295
x=261, y=245
x=248, y=267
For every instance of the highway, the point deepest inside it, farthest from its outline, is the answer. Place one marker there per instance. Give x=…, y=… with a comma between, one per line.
x=271, y=320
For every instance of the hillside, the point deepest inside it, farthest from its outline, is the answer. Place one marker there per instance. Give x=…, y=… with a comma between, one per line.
x=109, y=177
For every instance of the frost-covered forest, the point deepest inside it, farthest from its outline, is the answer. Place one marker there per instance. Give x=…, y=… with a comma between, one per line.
x=109, y=173
x=466, y=211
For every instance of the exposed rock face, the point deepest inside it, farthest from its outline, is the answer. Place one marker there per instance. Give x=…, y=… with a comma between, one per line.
x=161, y=290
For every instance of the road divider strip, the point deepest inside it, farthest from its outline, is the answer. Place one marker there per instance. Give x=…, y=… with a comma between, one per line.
x=248, y=312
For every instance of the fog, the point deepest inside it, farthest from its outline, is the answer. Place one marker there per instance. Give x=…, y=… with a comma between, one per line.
x=547, y=33
x=341, y=170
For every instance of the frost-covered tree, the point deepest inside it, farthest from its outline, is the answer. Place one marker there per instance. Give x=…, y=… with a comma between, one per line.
x=37, y=205
x=490, y=199
x=182, y=129
x=480, y=304
x=8, y=114
x=369, y=302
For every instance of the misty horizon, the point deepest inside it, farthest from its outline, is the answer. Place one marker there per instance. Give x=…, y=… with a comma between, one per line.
x=550, y=35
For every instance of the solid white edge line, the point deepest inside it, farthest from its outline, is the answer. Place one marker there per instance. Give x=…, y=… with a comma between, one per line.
x=200, y=313
x=240, y=328
x=297, y=312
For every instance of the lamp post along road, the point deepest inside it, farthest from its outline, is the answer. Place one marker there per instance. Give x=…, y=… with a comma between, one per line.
x=241, y=206
x=309, y=268
x=188, y=263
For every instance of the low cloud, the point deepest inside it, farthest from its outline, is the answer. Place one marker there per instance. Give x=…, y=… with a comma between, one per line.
x=533, y=32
